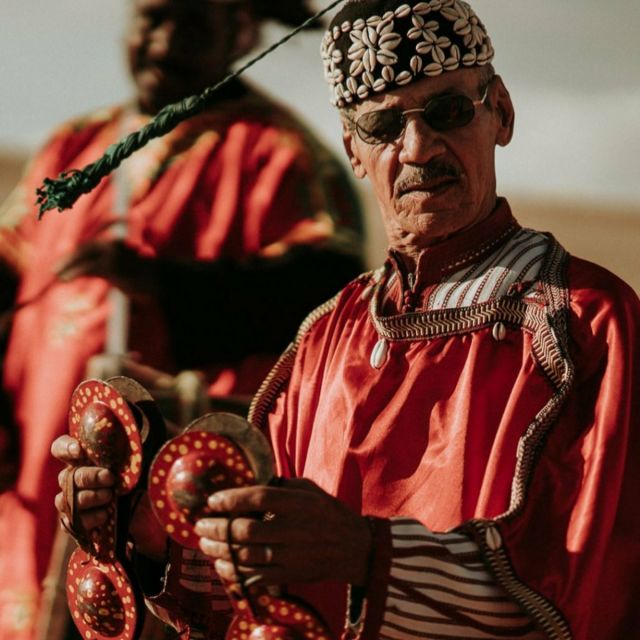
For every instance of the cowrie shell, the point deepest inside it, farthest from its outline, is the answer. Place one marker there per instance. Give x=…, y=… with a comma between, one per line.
x=379, y=354
x=499, y=331
x=493, y=538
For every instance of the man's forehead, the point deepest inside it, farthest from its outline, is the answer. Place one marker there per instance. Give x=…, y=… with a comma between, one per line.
x=462, y=80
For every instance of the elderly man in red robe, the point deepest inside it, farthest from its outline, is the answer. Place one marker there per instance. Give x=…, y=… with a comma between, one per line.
x=244, y=189
x=458, y=431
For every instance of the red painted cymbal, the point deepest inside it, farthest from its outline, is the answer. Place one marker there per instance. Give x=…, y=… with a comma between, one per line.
x=101, y=599
x=102, y=421
x=186, y=471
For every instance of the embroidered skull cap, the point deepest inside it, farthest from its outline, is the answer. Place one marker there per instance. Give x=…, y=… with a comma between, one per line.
x=373, y=46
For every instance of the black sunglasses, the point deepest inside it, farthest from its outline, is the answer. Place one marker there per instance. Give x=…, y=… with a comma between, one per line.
x=441, y=113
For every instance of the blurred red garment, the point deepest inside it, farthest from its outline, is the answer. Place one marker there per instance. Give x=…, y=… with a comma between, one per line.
x=240, y=182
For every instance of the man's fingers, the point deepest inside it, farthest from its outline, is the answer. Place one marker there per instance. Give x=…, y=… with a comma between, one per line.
x=245, y=500
x=59, y=502
x=243, y=530
x=214, y=549
x=212, y=528
x=89, y=519
x=93, y=499
x=226, y=570
x=66, y=449
x=93, y=518
x=291, y=495
x=91, y=490
x=93, y=478
x=248, y=556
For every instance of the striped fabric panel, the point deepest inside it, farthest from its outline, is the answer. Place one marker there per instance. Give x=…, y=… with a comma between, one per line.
x=519, y=260
x=198, y=575
x=439, y=588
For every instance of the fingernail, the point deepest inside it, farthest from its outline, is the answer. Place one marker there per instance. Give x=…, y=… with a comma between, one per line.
x=74, y=449
x=214, y=500
x=199, y=529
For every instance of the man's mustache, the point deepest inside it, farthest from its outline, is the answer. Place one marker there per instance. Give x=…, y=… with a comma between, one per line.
x=414, y=177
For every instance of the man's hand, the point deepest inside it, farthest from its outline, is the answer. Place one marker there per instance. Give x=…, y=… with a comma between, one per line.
x=94, y=492
x=93, y=485
x=114, y=261
x=292, y=533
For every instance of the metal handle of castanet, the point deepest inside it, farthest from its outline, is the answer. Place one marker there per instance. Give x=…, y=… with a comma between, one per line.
x=221, y=451
x=111, y=425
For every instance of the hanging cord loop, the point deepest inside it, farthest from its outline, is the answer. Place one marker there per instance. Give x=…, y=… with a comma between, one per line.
x=61, y=193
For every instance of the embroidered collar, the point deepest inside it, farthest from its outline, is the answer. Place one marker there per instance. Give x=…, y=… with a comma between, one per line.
x=437, y=262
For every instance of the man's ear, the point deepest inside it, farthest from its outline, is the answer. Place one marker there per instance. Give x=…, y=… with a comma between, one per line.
x=349, y=142
x=505, y=112
x=247, y=32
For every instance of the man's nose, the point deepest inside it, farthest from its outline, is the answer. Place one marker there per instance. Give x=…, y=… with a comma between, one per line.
x=419, y=142
x=163, y=38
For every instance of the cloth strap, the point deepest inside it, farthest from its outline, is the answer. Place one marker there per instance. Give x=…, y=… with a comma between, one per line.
x=71, y=521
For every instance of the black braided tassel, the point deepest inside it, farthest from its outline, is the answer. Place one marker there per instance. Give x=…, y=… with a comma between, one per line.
x=61, y=193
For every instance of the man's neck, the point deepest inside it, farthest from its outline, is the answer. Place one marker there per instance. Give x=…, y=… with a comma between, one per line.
x=429, y=263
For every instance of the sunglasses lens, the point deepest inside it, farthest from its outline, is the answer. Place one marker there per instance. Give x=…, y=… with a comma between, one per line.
x=449, y=112
x=384, y=125
x=441, y=114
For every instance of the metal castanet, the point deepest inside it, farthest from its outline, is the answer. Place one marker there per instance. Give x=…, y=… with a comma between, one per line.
x=221, y=451
x=112, y=422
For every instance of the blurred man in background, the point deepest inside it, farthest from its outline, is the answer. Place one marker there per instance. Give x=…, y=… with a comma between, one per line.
x=232, y=227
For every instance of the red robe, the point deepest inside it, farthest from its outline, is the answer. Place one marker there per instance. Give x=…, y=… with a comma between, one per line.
x=241, y=180
x=506, y=408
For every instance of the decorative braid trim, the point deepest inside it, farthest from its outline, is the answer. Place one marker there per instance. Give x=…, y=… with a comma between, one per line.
x=550, y=346
x=551, y=349
x=271, y=388
x=547, y=324
x=423, y=325
x=279, y=375
x=544, y=613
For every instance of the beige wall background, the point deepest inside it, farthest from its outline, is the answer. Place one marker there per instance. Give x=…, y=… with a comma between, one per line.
x=572, y=67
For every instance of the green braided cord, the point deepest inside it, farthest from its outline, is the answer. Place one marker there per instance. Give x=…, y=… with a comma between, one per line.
x=62, y=193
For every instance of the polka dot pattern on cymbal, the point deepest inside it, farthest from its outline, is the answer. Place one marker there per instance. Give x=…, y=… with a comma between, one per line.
x=101, y=599
x=271, y=618
x=185, y=472
x=103, y=422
